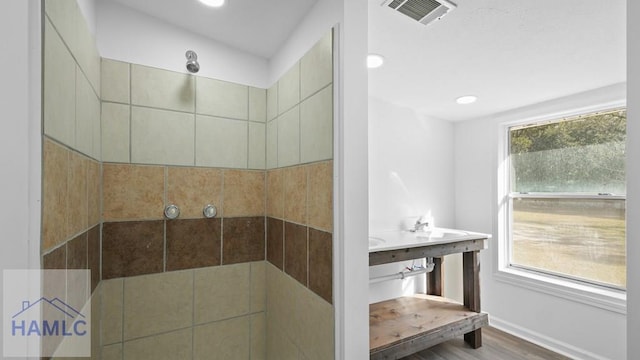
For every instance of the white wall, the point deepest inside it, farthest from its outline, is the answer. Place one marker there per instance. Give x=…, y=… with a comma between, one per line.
x=20, y=136
x=633, y=180
x=128, y=35
x=583, y=331
x=410, y=174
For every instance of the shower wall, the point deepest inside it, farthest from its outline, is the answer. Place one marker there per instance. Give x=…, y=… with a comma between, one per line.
x=122, y=141
x=300, y=315
x=71, y=153
x=190, y=287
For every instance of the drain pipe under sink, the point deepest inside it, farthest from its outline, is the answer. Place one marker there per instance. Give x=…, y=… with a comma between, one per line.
x=404, y=274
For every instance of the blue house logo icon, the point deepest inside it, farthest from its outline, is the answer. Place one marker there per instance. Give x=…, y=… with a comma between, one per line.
x=63, y=321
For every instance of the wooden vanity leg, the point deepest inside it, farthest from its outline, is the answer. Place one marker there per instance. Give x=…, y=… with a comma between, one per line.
x=434, y=278
x=471, y=290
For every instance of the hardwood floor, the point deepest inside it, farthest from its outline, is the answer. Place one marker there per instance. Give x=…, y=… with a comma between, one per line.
x=496, y=345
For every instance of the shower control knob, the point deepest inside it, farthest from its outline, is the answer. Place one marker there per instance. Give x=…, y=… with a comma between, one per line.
x=209, y=211
x=172, y=211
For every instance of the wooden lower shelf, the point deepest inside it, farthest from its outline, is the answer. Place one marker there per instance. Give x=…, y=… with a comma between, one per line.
x=405, y=325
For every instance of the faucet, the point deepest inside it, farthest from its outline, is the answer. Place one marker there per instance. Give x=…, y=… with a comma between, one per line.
x=420, y=225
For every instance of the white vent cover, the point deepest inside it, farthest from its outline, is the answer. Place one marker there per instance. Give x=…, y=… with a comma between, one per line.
x=423, y=11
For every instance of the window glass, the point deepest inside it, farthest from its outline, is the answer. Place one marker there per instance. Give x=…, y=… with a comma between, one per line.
x=567, y=198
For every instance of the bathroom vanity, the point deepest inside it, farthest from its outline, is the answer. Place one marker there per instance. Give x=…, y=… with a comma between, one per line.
x=405, y=325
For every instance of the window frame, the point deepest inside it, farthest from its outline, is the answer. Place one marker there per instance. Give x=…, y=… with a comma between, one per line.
x=560, y=286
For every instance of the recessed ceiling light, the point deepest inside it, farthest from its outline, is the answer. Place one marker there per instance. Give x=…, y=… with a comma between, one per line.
x=213, y=3
x=467, y=99
x=374, y=61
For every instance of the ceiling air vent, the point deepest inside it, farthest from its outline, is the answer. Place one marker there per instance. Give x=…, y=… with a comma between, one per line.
x=423, y=11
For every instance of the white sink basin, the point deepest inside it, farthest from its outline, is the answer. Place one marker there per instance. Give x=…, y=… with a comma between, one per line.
x=375, y=242
x=400, y=239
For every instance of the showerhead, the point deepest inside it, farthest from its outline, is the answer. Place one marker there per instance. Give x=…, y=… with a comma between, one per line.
x=192, y=62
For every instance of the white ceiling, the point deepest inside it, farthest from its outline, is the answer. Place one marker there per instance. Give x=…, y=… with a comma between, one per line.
x=510, y=53
x=258, y=27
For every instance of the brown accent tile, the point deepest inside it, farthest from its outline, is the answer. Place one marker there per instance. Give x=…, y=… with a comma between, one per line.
x=55, y=260
x=93, y=192
x=132, y=248
x=321, y=263
x=193, y=243
x=244, y=193
x=275, y=242
x=132, y=192
x=54, y=205
x=295, y=251
x=93, y=255
x=243, y=240
x=77, y=252
x=321, y=196
x=77, y=202
x=193, y=188
x=275, y=193
x=295, y=194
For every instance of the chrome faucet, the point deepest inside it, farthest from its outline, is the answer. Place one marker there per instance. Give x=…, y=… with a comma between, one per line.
x=420, y=225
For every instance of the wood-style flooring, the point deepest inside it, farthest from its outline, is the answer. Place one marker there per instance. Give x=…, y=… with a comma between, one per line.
x=496, y=345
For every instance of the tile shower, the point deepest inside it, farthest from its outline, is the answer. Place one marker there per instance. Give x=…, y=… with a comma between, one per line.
x=122, y=141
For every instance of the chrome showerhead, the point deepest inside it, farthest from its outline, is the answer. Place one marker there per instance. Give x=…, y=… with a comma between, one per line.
x=192, y=62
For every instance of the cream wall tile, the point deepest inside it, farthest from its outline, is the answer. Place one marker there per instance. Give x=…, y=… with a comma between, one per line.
x=222, y=340
x=169, y=346
x=279, y=346
x=275, y=193
x=87, y=115
x=86, y=52
x=315, y=325
x=115, y=132
x=257, y=146
x=272, y=102
x=289, y=138
x=157, y=303
x=93, y=192
x=162, y=137
x=289, y=89
x=77, y=212
x=115, y=81
x=192, y=188
x=316, y=127
x=257, y=104
x=280, y=301
x=55, y=176
x=63, y=14
x=59, y=89
x=295, y=194
x=244, y=193
x=221, y=292
x=320, y=196
x=316, y=67
x=162, y=89
x=112, y=352
x=112, y=308
x=258, y=286
x=132, y=192
x=272, y=144
x=96, y=320
x=258, y=336
x=221, y=98
x=221, y=142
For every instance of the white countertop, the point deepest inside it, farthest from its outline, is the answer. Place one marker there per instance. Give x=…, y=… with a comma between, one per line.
x=402, y=239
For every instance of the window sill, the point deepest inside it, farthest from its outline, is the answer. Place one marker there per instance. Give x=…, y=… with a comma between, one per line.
x=612, y=300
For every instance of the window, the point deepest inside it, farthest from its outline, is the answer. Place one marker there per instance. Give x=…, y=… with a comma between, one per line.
x=566, y=198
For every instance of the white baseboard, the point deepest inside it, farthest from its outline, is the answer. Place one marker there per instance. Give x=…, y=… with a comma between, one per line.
x=544, y=341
